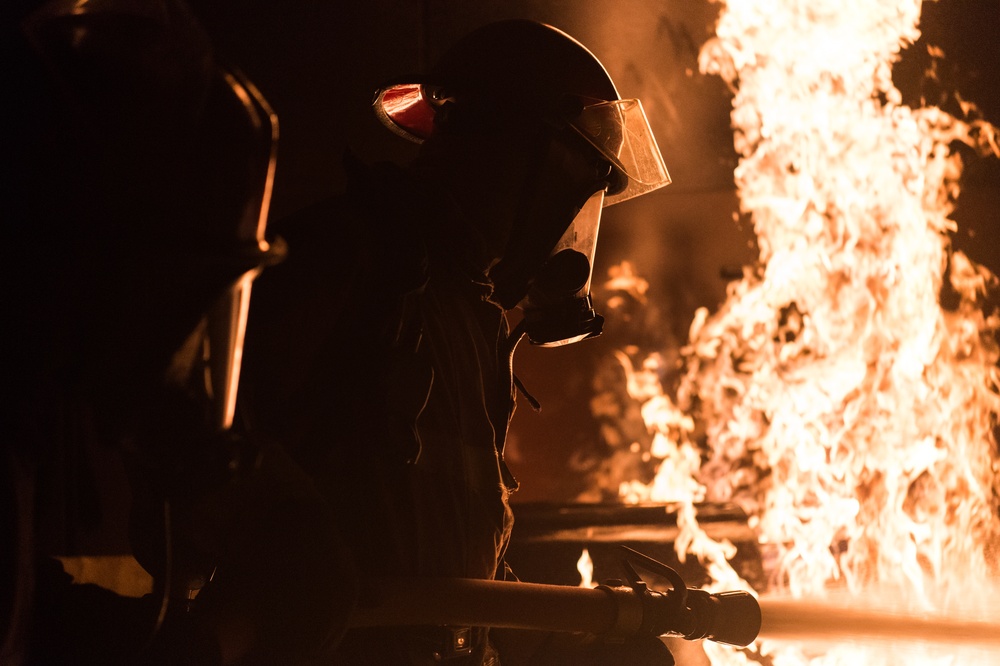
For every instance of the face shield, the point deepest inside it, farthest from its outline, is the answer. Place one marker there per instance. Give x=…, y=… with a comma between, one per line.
x=227, y=321
x=620, y=132
x=209, y=363
x=225, y=328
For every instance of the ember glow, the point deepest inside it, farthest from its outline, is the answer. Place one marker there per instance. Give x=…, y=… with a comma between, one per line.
x=843, y=407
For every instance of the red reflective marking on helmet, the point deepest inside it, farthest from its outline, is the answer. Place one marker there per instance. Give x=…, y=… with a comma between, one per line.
x=406, y=106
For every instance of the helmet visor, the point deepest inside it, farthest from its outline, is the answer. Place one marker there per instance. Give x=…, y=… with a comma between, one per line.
x=620, y=131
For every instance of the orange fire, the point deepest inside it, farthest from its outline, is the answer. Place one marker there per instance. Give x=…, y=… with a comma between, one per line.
x=843, y=407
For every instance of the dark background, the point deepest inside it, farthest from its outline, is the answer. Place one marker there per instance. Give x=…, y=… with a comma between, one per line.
x=318, y=62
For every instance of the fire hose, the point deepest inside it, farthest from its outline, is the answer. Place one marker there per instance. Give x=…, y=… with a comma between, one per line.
x=615, y=610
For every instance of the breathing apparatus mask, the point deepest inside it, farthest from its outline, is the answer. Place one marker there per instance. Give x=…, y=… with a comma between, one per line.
x=558, y=308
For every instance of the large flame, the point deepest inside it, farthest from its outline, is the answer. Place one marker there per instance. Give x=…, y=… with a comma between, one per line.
x=847, y=410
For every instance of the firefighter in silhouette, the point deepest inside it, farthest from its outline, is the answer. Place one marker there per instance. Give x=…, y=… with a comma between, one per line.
x=380, y=352
x=134, y=221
